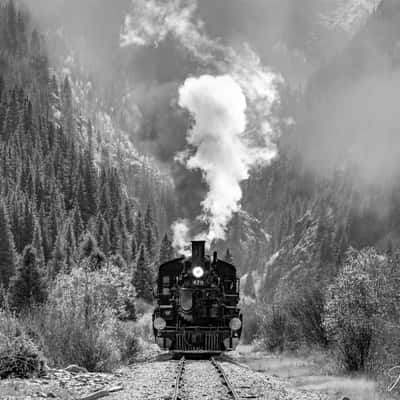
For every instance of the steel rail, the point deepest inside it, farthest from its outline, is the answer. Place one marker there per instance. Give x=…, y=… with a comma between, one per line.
x=178, y=379
x=225, y=379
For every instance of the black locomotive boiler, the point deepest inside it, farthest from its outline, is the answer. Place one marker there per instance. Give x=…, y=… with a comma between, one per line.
x=197, y=304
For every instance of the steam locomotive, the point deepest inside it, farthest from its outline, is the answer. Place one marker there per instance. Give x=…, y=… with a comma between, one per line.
x=197, y=304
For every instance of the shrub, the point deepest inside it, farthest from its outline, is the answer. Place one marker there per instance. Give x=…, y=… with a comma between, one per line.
x=304, y=308
x=385, y=348
x=272, y=328
x=294, y=320
x=250, y=321
x=351, y=309
x=19, y=357
x=128, y=339
x=80, y=323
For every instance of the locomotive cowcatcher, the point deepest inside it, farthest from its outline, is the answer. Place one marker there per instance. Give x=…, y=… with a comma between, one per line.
x=197, y=304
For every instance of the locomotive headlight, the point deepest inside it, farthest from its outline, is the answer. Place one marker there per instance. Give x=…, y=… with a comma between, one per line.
x=198, y=272
x=159, y=323
x=235, y=324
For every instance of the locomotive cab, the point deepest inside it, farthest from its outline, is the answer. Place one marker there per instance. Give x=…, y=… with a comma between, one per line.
x=197, y=301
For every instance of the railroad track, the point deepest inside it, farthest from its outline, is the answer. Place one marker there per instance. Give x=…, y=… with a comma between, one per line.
x=178, y=379
x=177, y=395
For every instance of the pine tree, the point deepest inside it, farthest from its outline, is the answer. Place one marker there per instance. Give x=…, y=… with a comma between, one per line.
x=77, y=222
x=140, y=233
x=143, y=278
x=82, y=201
x=128, y=218
x=149, y=222
x=43, y=223
x=105, y=202
x=124, y=245
x=53, y=227
x=115, y=237
x=57, y=263
x=90, y=177
x=115, y=191
x=150, y=243
x=166, y=250
x=67, y=112
x=12, y=117
x=69, y=246
x=26, y=233
x=37, y=244
x=133, y=249
x=103, y=234
x=8, y=258
x=27, y=288
x=125, y=248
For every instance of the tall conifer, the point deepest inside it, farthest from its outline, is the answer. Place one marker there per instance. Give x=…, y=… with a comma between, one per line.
x=139, y=229
x=166, y=250
x=143, y=277
x=37, y=244
x=8, y=257
x=27, y=287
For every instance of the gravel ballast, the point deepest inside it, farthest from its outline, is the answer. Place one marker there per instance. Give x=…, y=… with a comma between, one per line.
x=154, y=380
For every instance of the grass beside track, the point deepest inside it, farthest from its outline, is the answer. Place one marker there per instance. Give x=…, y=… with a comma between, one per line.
x=314, y=371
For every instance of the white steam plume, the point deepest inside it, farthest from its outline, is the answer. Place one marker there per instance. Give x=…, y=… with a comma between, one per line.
x=219, y=108
x=233, y=130
x=181, y=238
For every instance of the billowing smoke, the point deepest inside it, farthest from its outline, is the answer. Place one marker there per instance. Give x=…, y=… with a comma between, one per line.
x=182, y=236
x=231, y=106
x=219, y=109
x=221, y=147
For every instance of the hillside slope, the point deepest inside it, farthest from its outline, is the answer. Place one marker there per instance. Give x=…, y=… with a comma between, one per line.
x=335, y=184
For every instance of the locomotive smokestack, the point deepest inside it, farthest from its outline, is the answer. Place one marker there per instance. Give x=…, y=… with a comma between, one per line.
x=198, y=252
